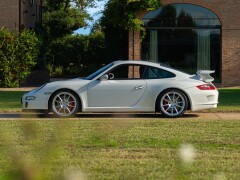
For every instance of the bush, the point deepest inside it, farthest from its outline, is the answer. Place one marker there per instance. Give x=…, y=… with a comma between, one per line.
x=18, y=54
x=77, y=54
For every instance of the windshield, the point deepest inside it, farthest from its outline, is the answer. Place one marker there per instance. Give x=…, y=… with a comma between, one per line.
x=95, y=74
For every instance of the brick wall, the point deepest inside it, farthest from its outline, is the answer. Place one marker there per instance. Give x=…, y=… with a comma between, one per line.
x=228, y=12
x=9, y=14
x=10, y=10
x=30, y=13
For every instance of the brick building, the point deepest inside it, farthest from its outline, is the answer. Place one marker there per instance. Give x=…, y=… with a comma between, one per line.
x=192, y=35
x=18, y=14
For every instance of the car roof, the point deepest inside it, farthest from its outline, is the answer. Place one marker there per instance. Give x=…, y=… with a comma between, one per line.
x=154, y=64
x=137, y=62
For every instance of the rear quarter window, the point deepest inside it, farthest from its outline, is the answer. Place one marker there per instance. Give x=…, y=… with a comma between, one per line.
x=157, y=73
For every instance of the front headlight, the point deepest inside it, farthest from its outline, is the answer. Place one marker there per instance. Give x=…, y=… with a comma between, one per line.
x=30, y=98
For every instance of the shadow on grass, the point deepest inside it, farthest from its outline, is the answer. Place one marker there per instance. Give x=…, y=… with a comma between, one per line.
x=14, y=116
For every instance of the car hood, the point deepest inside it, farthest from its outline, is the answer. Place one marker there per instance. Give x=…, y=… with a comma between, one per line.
x=73, y=84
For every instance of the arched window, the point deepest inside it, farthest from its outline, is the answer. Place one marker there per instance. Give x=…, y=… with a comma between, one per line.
x=184, y=36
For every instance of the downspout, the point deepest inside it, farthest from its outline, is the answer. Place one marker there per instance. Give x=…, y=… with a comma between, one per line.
x=133, y=39
x=40, y=11
x=19, y=16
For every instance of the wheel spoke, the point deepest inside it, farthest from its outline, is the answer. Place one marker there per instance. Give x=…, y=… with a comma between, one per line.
x=166, y=100
x=176, y=110
x=180, y=102
x=169, y=97
x=177, y=98
x=71, y=102
x=60, y=109
x=178, y=106
x=168, y=108
x=71, y=106
x=68, y=110
x=58, y=106
x=174, y=96
x=58, y=101
x=60, y=98
x=68, y=98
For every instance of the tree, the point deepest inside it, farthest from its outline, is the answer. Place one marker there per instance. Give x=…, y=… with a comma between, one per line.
x=63, y=17
x=123, y=13
x=60, y=19
x=119, y=17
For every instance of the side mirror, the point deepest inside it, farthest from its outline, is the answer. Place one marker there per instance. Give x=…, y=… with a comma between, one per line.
x=104, y=77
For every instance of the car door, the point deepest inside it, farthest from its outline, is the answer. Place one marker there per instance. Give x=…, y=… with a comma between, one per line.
x=123, y=89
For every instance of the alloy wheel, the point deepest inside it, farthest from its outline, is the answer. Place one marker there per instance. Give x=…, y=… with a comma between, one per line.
x=64, y=104
x=173, y=104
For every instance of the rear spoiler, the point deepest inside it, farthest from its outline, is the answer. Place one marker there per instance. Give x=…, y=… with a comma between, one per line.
x=204, y=75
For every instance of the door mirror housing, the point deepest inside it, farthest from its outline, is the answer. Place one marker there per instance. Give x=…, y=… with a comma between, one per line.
x=104, y=77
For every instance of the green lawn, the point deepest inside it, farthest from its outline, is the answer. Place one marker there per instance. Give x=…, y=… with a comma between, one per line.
x=115, y=148
x=121, y=148
x=229, y=101
x=10, y=100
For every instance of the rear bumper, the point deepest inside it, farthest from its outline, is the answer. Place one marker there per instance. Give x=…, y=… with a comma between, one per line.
x=204, y=107
x=203, y=99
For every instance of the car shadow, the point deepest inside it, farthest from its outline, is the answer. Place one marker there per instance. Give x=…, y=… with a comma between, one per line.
x=16, y=116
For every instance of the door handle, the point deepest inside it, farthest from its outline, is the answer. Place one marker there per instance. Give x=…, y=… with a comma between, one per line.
x=139, y=87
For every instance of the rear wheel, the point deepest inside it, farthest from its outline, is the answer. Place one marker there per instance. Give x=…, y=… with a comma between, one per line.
x=64, y=104
x=173, y=103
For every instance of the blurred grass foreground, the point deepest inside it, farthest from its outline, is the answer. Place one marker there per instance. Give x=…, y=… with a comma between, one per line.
x=190, y=147
x=120, y=148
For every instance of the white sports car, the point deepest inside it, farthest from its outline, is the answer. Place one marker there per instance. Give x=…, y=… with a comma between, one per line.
x=126, y=86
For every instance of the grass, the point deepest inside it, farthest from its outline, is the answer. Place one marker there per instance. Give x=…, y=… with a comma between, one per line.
x=229, y=100
x=121, y=148
x=10, y=100
x=117, y=148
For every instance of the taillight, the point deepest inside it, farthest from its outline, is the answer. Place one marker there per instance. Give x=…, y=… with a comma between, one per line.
x=206, y=87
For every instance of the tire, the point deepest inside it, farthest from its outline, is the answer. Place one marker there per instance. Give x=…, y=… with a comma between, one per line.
x=172, y=103
x=64, y=103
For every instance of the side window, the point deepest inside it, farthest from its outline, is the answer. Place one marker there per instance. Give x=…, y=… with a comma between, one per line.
x=127, y=71
x=157, y=73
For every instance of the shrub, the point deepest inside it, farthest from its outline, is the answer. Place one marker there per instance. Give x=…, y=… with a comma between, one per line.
x=18, y=54
x=77, y=54
x=59, y=70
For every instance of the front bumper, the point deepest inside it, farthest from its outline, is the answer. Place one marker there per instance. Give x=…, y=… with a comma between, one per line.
x=40, y=103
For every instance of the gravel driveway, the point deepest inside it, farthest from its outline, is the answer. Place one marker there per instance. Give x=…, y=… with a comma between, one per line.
x=212, y=116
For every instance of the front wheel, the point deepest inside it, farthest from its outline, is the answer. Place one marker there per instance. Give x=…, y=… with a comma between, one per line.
x=173, y=103
x=64, y=104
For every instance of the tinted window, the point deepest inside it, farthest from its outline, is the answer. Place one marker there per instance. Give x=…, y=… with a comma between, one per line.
x=95, y=74
x=156, y=73
x=181, y=15
x=126, y=71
